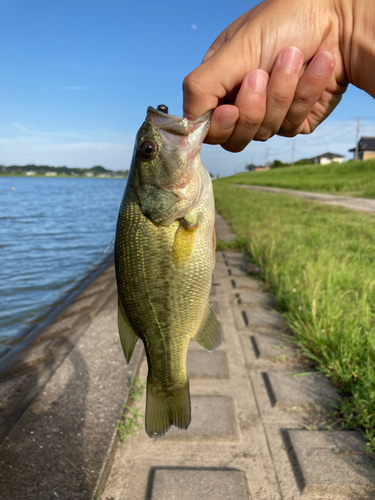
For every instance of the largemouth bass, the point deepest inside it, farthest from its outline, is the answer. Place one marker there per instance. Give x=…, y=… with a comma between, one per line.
x=164, y=257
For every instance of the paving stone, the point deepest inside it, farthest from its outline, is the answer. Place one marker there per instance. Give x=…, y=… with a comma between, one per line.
x=234, y=255
x=197, y=484
x=79, y=306
x=288, y=390
x=272, y=347
x=235, y=271
x=203, y=364
x=246, y=283
x=260, y=317
x=215, y=306
x=213, y=418
x=57, y=328
x=223, y=230
x=331, y=463
x=238, y=263
x=252, y=298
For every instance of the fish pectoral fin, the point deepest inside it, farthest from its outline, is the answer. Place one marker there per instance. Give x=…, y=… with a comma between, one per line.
x=209, y=334
x=183, y=245
x=128, y=336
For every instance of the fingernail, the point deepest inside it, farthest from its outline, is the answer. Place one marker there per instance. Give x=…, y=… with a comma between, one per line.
x=257, y=80
x=227, y=121
x=291, y=58
x=321, y=63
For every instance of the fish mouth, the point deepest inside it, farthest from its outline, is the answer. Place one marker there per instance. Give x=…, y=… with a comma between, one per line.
x=173, y=129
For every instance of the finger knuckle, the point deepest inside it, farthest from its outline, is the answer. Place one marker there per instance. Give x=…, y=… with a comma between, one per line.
x=263, y=135
x=279, y=98
x=192, y=85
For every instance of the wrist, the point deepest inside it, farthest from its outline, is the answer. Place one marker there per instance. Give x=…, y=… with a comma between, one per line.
x=357, y=42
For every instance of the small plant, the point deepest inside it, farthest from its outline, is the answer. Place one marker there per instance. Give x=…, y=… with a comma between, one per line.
x=130, y=420
x=137, y=389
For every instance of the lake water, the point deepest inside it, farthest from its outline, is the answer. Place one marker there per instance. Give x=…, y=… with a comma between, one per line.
x=53, y=231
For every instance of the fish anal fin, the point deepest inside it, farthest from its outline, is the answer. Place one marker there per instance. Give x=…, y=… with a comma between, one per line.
x=209, y=334
x=167, y=408
x=128, y=336
x=183, y=245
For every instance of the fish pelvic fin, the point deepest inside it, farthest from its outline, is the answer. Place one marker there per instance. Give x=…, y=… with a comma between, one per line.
x=183, y=245
x=165, y=408
x=209, y=334
x=128, y=336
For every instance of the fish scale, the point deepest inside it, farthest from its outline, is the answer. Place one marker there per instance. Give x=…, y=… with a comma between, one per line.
x=164, y=256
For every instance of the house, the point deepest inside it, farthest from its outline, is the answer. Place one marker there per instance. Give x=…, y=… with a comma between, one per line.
x=327, y=158
x=366, y=148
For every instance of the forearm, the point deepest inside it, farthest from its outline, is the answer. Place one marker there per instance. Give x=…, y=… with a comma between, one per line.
x=357, y=42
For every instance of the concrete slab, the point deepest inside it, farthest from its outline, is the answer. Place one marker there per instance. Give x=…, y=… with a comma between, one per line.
x=59, y=448
x=238, y=263
x=331, y=463
x=213, y=290
x=273, y=348
x=60, y=326
x=213, y=419
x=222, y=228
x=203, y=364
x=234, y=255
x=293, y=389
x=215, y=306
x=197, y=484
x=259, y=317
x=30, y=357
x=246, y=284
x=10, y=389
x=79, y=306
x=236, y=272
x=256, y=298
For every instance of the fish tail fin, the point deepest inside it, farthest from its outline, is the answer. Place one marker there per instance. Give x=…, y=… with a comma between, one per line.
x=166, y=408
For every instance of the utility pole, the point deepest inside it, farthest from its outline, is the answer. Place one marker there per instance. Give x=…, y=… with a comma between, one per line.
x=356, y=139
x=293, y=151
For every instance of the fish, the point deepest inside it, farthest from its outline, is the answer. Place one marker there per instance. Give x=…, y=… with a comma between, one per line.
x=164, y=259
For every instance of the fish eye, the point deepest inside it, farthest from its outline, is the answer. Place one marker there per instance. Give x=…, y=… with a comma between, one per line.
x=147, y=150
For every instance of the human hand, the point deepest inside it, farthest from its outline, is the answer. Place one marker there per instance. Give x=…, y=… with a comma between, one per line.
x=277, y=38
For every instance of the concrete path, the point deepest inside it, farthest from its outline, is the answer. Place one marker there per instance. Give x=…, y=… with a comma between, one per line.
x=252, y=403
x=359, y=204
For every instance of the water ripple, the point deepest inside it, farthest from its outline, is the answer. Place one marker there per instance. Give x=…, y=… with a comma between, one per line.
x=52, y=232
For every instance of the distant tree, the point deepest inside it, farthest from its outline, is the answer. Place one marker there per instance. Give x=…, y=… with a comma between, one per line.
x=304, y=161
x=279, y=164
x=98, y=168
x=250, y=167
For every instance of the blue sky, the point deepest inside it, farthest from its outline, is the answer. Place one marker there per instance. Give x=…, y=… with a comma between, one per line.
x=77, y=77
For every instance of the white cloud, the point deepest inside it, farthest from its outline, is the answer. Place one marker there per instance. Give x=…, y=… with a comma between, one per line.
x=49, y=134
x=194, y=26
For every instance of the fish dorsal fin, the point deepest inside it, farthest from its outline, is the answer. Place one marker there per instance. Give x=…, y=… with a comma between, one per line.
x=209, y=334
x=127, y=334
x=183, y=246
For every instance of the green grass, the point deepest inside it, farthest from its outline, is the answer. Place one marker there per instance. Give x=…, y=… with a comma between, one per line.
x=352, y=178
x=319, y=261
x=130, y=422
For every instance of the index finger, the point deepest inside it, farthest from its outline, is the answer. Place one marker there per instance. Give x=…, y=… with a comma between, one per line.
x=213, y=80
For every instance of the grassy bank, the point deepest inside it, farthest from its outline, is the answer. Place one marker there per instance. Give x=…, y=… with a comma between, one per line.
x=320, y=263
x=354, y=178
